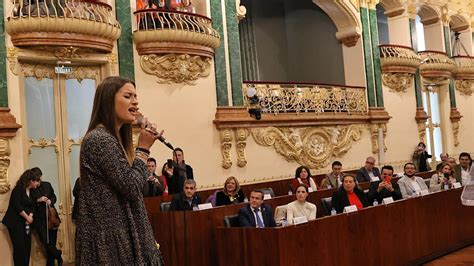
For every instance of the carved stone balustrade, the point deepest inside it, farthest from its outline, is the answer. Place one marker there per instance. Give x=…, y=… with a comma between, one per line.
x=436, y=66
x=310, y=124
x=464, y=74
x=399, y=64
x=177, y=47
x=63, y=23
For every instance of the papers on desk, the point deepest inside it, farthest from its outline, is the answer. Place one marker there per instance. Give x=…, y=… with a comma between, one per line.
x=300, y=220
x=457, y=185
x=425, y=192
x=205, y=206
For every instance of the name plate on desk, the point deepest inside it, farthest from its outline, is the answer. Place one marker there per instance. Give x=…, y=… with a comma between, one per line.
x=387, y=200
x=374, y=179
x=349, y=209
x=267, y=196
x=205, y=206
x=425, y=192
x=300, y=220
x=457, y=185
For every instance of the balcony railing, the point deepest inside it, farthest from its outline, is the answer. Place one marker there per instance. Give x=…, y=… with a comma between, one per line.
x=465, y=67
x=162, y=31
x=436, y=65
x=305, y=98
x=398, y=59
x=78, y=23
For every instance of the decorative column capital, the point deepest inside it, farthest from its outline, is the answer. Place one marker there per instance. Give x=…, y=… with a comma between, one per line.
x=8, y=130
x=241, y=10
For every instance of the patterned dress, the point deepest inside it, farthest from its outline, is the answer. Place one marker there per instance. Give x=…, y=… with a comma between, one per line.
x=113, y=226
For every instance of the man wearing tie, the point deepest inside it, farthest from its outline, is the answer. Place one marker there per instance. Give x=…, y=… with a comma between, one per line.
x=256, y=213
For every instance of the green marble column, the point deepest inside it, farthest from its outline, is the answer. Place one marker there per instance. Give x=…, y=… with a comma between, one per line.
x=234, y=52
x=448, y=48
x=374, y=37
x=125, y=42
x=3, y=65
x=414, y=45
x=219, y=56
x=368, y=56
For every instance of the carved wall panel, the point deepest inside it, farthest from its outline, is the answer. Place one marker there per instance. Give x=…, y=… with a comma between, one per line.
x=314, y=147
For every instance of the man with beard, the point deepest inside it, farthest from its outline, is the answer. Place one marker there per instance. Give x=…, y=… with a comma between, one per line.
x=411, y=185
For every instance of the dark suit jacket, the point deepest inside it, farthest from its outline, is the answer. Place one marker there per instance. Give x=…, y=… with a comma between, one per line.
x=176, y=181
x=457, y=172
x=45, y=189
x=76, y=191
x=223, y=199
x=384, y=193
x=247, y=219
x=19, y=202
x=180, y=204
x=340, y=199
x=363, y=175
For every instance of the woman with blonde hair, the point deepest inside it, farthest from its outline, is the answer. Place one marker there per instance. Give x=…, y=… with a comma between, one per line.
x=443, y=179
x=231, y=193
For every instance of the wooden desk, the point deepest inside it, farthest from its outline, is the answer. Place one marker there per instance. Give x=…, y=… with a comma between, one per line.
x=407, y=232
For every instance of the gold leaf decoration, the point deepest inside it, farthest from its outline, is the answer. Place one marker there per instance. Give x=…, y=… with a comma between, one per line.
x=4, y=164
x=314, y=147
x=176, y=68
x=226, y=145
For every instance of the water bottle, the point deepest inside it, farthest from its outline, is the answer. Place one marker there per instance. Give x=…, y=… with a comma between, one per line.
x=376, y=202
x=333, y=212
x=27, y=228
x=284, y=222
x=246, y=199
x=290, y=192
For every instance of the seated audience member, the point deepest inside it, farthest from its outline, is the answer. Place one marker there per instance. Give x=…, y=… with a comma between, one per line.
x=444, y=159
x=231, y=193
x=349, y=194
x=300, y=207
x=187, y=200
x=333, y=179
x=387, y=187
x=420, y=157
x=444, y=176
x=155, y=185
x=411, y=185
x=462, y=170
x=368, y=173
x=256, y=213
x=303, y=176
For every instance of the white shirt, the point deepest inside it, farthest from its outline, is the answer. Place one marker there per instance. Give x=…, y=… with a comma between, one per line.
x=373, y=177
x=465, y=176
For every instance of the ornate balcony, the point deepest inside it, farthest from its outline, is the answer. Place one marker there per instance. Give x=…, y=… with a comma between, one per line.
x=63, y=23
x=464, y=74
x=175, y=46
x=436, y=66
x=399, y=64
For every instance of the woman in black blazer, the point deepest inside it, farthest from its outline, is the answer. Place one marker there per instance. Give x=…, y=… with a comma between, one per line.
x=349, y=194
x=231, y=193
x=19, y=217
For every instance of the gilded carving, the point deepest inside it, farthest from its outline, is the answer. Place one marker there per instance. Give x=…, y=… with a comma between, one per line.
x=4, y=164
x=81, y=73
x=176, y=68
x=42, y=143
x=397, y=82
x=12, y=56
x=464, y=86
x=67, y=52
x=38, y=71
x=113, y=61
x=422, y=131
x=374, y=136
x=241, y=135
x=240, y=10
x=455, y=126
x=314, y=147
x=226, y=145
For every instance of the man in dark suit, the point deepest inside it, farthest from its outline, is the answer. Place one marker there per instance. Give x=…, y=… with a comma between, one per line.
x=387, y=187
x=256, y=213
x=187, y=200
x=178, y=172
x=462, y=170
x=368, y=173
x=43, y=196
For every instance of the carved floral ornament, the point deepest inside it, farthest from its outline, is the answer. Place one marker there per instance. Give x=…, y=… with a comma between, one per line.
x=397, y=82
x=4, y=164
x=176, y=68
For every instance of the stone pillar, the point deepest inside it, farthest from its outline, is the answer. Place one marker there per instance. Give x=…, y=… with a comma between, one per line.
x=125, y=42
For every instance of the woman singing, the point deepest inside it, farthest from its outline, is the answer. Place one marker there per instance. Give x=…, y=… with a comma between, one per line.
x=113, y=227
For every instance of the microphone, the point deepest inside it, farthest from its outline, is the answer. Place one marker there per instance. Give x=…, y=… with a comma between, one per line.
x=142, y=121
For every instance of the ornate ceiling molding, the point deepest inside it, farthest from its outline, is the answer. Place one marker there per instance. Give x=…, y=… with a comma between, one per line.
x=397, y=82
x=176, y=68
x=464, y=86
x=314, y=147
